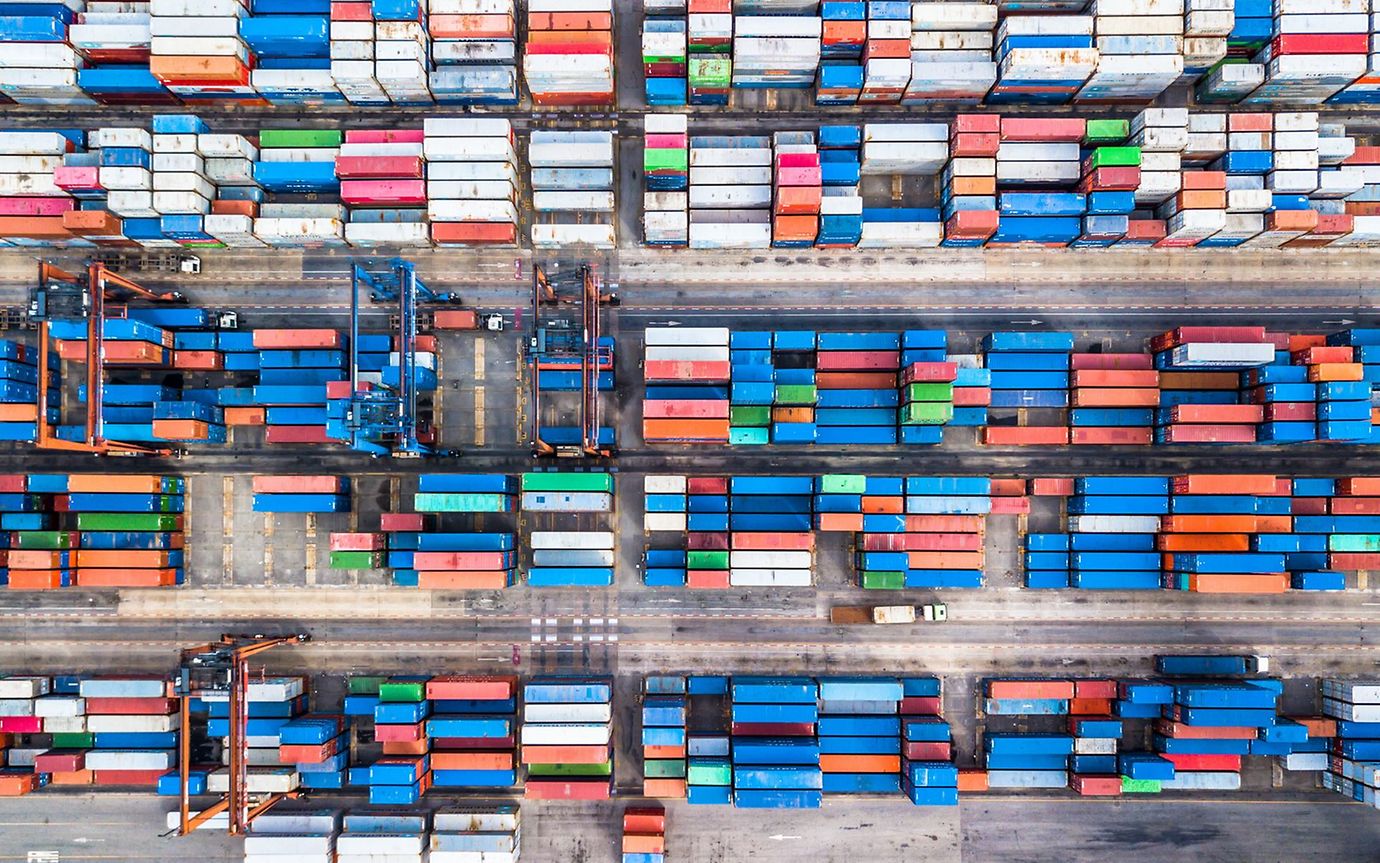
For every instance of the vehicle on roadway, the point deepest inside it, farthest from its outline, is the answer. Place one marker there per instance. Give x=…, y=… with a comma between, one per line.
x=888, y=615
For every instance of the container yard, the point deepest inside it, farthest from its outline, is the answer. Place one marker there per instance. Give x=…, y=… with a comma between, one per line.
x=475, y=431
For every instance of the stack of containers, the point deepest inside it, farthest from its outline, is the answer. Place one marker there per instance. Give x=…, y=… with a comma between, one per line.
x=318, y=747
x=366, y=837
x=927, y=386
x=760, y=397
x=131, y=727
x=468, y=561
x=1028, y=370
x=687, y=371
x=284, y=494
x=664, y=53
x=474, y=48
x=840, y=221
x=1320, y=47
x=1222, y=503
x=271, y=703
x=19, y=392
x=472, y=731
x=1139, y=50
x=305, y=836
x=1246, y=161
x=921, y=532
x=1097, y=738
x=860, y=735
x=1113, y=398
x=906, y=149
x=572, y=178
x=197, y=53
x=730, y=192
x=1230, y=80
x=1111, y=174
x=19, y=695
x=1343, y=392
x=115, y=45
x=126, y=172
x=856, y=395
x=969, y=181
x=1365, y=89
x=799, y=190
x=843, y=35
x=1205, y=349
x=40, y=66
x=886, y=54
x=567, y=742
x=182, y=192
x=382, y=177
x=492, y=831
x=666, y=166
x=663, y=736
x=569, y=558
x=709, y=541
x=402, y=50
x=229, y=161
x=568, y=58
x=951, y=52
x=403, y=774
x=34, y=184
x=1014, y=760
x=296, y=368
x=133, y=561
x=709, y=37
x=1310, y=565
x=1034, y=154
x=1111, y=544
x=708, y=769
x=1352, y=769
x=472, y=181
x=1162, y=135
x=299, y=162
x=292, y=55
x=972, y=390
x=780, y=48
x=770, y=544
x=1207, y=23
x=1353, y=543
x=776, y=754
x=353, y=52
x=644, y=834
x=1043, y=59
x=927, y=748
x=1285, y=403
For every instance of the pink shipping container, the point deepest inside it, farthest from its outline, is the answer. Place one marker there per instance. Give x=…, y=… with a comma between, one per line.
x=920, y=705
x=686, y=370
x=21, y=724
x=473, y=687
x=1011, y=505
x=36, y=206
x=1043, y=129
x=977, y=123
x=1209, y=434
x=1109, y=436
x=357, y=542
x=402, y=522
x=73, y=177
x=676, y=141
x=12, y=483
x=685, y=409
x=773, y=541
x=1088, y=362
x=929, y=373
x=379, y=167
x=297, y=434
x=808, y=176
x=460, y=560
x=384, y=136
x=921, y=542
x=296, y=485
x=296, y=339
x=383, y=192
x=1231, y=414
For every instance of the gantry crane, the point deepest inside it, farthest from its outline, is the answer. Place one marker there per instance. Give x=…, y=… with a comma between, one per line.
x=223, y=667
x=86, y=296
x=375, y=414
x=558, y=342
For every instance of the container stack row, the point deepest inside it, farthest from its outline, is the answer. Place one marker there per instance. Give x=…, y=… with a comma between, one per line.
x=1208, y=534
x=919, y=532
x=666, y=165
x=566, y=552
x=644, y=834
x=664, y=715
x=19, y=391
x=1351, y=768
x=92, y=531
x=665, y=52
x=567, y=738
x=568, y=57
x=273, y=703
x=301, y=494
x=472, y=181
x=453, y=835
x=572, y=189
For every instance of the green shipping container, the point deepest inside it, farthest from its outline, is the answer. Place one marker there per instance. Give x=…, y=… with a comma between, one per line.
x=1107, y=131
x=461, y=502
x=664, y=769
x=931, y=392
x=842, y=483
x=749, y=415
x=706, y=560
x=125, y=521
x=1115, y=157
x=595, y=482
x=402, y=690
x=710, y=71
x=708, y=773
x=605, y=769
x=300, y=138
x=1139, y=786
x=927, y=413
x=750, y=436
x=356, y=560
x=873, y=579
x=73, y=740
x=1354, y=542
x=796, y=394
x=43, y=540
x=366, y=685
x=666, y=160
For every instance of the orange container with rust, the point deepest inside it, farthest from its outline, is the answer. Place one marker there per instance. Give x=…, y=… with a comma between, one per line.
x=181, y=430
x=1206, y=483
x=945, y=559
x=462, y=580
x=1180, y=542
x=644, y=843
x=471, y=761
x=883, y=505
x=1208, y=523
x=972, y=780
x=565, y=754
x=840, y=521
x=1204, y=582
x=243, y=416
x=667, y=789
x=685, y=430
x=132, y=558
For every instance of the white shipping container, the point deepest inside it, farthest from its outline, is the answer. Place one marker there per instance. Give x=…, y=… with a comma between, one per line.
x=653, y=522
x=368, y=234
x=1095, y=745
x=33, y=144
x=718, y=336
x=130, y=759
x=560, y=236
x=260, y=780
x=116, y=179
x=39, y=55
x=1305, y=761
x=730, y=197
x=276, y=689
x=36, y=184
x=471, y=191
x=472, y=819
x=132, y=724
x=757, y=175
x=1224, y=354
x=729, y=235
x=1140, y=25
x=181, y=203
x=1114, y=523
x=683, y=353
x=482, y=172
x=131, y=204
x=64, y=724
x=1249, y=201
x=380, y=843
x=771, y=559
x=175, y=143
x=664, y=484
x=569, y=539
x=953, y=16
x=565, y=734
x=577, y=557
x=578, y=713
x=581, y=201
x=901, y=235
x=471, y=211
x=161, y=26
x=560, y=155
x=17, y=707
x=1355, y=691
x=254, y=843
x=770, y=577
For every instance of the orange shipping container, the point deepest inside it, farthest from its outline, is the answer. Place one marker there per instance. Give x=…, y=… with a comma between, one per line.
x=36, y=559
x=886, y=49
x=471, y=26
x=1052, y=486
x=242, y=416
x=567, y=20
x=1205, y=483
x=455, y=319
x=945, y=524
x=1024, y=435
x=25, y=413
x=855, y=380
x=1202, y=199
x=86, y=222
x=221, y=207
x=1030, y=689
x=1274, y=582
x=945, y=559
x=471, y=761
x=643, y=843
x=1170, y=728
x=193, y=71
x=199, y=361
x=1203, y=542
x=132, y=558
x=1199, y=381
x=70, y=777
x=34, y=579
x=1209, y=523
x=1115, y=398
x=297, y=339
x=685, y=430
x=1318, y=726
x=569, y=41
x=474, y=234
x=461, y=580
x=882, y=505
x=17, y=784
x=1090, y=706
x=190, y=430
x=975, y=186
x=1359, y=486
x=1327, y=372
x=662, y=752
x=860, y=763
x=666, y=789
x=1007, y=487
x=841, y=521
x=844, y=32
x=115, y=483
x=406, y=747
x=1116, y=378
x=792, y=415
x=644, y=819
x=565, y=754
x=34, y=227
x=972, y=780
x=126, y=577
x=1194, y=181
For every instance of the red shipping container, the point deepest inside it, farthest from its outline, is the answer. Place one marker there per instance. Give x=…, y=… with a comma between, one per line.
x=773, y=729
x=686, y=370
x=1359, y=485
x=1043, y=129
x=402, y=522
x=921, y=705
x=1217, y=413
x=296, y=340
x=379, y=167
x=12, y=483
x=1309, y=506
x=1209, y=434
x=981, y=145
x=929, y=373
x=296, y=485
x=922, y=750
x=565, y=754
x=1085, y=397
x=707, y=541
x=1211, y=483
x=1094, y=689
x=1340, y=560
x=1170, y=728
x=977, y=123
x=971, y=224
x=126, y=777
x=856, y=360
x=551, y=789
x=1089, y=785
x=474, y=234
x=1025, y=435
x=1115, y=377
x=945, y=524
x=965, y=397
x=707, y=485
x=921, y=542
x=60, y=762
x=707, y=579
x=1320, y=43
x=685, y=408
x=1117, y=179
x=1007, y=487
x=1052, y=486
x=1129, y=362
x=352, y=11
x=1030, y=689
x=476, y=687
x=1215, y=763
x=409, y=731
x=644, y=819
x=1011, y=505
